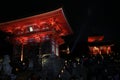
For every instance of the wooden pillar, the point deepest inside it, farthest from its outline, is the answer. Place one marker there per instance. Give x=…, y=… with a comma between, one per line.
x=22, y=55
x=55, y=47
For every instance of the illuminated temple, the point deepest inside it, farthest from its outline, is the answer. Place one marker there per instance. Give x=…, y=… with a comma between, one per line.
x=98, y=46
x=37, y=55
x=47, y=28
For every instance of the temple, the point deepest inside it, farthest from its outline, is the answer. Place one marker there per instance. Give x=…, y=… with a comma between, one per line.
x=42, y=29
x=98, y=46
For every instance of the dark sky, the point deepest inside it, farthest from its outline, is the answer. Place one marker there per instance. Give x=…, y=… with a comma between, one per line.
x=85, y=17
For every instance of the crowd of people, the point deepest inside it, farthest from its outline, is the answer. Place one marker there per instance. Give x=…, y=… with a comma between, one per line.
x=85, y=67
x=95, y=67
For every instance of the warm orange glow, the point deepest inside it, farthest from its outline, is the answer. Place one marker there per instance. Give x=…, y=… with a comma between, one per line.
x=21, y=56
x=68, y=50
x=95, y=38
x=100, y=49
x=109, y=50
x=96, y=50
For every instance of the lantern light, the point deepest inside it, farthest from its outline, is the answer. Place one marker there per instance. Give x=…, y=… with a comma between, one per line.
x=30, y=29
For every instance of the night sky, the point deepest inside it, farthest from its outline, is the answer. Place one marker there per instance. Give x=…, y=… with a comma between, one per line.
x=86, y=18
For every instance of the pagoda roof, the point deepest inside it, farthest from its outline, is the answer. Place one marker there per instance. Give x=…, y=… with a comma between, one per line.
x=55, y=18
x=99, y=41
x=50, y=23
x=95, y=38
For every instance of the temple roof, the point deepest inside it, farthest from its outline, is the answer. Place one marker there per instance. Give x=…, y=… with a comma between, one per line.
x=95, y=38
x=54, y=18
x=50, y=23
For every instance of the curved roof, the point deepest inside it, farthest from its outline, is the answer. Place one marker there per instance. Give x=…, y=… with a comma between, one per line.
x=51, y=23
x=55, y=18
